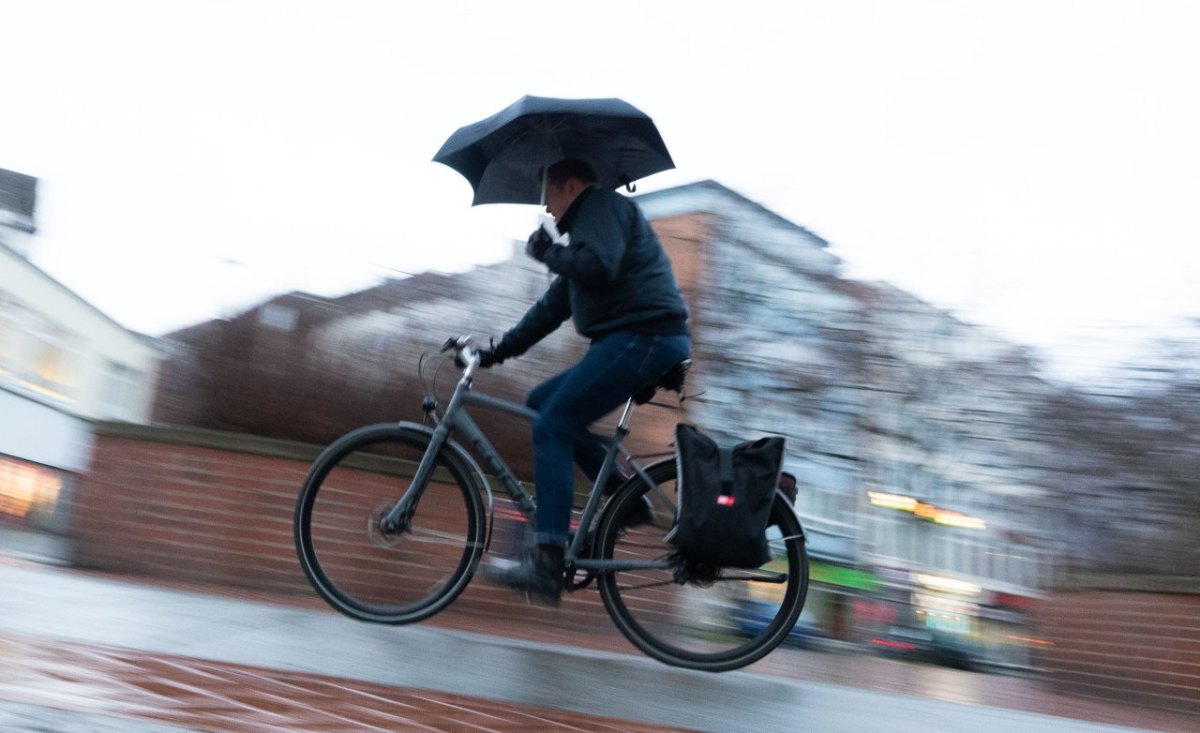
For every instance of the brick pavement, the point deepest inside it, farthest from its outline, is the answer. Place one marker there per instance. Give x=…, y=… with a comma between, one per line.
x=93, y=680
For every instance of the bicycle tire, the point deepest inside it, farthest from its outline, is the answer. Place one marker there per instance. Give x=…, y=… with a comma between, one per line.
x=368, y=574
x=696, y=618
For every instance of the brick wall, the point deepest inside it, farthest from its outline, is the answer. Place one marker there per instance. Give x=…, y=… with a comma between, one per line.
x=1133, y=639
x=190, y=505
x=197, y=506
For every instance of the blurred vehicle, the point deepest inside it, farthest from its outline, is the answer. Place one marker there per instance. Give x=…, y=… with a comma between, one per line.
x=926, y=645
x=751, y=615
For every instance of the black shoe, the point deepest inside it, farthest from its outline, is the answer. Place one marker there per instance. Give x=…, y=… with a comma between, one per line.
x=539, y=575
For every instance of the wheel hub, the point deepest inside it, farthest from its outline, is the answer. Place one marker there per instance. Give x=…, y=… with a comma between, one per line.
x=383, y=533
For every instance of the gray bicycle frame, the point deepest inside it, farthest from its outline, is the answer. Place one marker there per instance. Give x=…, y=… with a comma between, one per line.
x=456, y=419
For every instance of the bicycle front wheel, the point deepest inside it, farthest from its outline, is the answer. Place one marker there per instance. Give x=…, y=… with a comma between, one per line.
x=388, y=577
x=710, y=619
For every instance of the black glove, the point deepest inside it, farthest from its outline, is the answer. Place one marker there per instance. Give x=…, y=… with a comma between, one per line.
x=538, y=244
x=489, y=356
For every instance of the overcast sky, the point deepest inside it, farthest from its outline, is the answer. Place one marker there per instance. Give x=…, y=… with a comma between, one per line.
x=1033, y=166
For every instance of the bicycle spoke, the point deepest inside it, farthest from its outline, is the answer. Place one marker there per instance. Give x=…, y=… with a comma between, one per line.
x=434, y=537
x=656, y=584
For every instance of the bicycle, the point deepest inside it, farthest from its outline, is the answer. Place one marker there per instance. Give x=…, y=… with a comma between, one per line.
x=393, y=518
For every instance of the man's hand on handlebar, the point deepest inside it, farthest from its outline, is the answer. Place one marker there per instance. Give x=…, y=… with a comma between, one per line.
x=488, y=356
x=464, y=350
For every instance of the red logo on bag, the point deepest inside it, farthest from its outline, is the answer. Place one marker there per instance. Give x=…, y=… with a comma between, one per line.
x=725, y=500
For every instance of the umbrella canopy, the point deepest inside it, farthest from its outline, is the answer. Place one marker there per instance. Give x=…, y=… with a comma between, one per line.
x=504, y=156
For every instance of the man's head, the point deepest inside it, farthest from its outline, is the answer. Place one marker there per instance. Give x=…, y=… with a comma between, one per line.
x=565, y=180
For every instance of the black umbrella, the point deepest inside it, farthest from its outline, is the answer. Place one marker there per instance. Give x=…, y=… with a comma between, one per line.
x=504, y=156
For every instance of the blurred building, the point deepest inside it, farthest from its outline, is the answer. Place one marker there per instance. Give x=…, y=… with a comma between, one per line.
x=954, y=513
x=911, y=433
x=63, y=363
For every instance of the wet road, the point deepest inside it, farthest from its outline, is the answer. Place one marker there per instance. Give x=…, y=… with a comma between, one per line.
x=76, y=613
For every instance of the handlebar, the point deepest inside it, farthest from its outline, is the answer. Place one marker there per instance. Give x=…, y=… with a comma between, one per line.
x=466, y=356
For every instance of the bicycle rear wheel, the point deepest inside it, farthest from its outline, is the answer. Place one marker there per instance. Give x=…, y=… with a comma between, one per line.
x=373, y=575
x=711, y=619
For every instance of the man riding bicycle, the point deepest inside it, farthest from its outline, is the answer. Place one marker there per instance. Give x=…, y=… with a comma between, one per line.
x=615, y=282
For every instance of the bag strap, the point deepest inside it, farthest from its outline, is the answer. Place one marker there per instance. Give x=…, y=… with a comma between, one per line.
x=726, y=458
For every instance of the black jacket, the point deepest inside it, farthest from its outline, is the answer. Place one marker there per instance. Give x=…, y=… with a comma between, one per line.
x=614, y=276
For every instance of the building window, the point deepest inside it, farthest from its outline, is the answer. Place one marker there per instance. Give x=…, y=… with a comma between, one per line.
x=55, y=368
x=120, y=392
x=34, y=354
x=10, y=334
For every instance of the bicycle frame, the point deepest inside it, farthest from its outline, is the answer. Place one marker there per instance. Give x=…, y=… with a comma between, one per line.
x=455, y=419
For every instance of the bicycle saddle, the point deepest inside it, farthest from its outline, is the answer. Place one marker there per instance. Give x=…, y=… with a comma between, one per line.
x=671, y=380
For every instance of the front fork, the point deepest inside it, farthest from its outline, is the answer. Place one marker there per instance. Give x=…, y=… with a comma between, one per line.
x=399, y=518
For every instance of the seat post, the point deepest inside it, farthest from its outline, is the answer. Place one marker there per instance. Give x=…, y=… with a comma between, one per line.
x=626, y=414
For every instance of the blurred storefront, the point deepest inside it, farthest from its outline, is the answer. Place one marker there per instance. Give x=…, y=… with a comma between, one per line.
x=949, y=620
x=836, y=595
x=27, y=491
x=837, y=585
x=42, y=448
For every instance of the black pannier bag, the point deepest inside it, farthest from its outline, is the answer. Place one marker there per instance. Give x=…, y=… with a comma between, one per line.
x=725, y=496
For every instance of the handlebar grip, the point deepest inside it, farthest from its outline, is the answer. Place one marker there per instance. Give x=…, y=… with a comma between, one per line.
x=457, y=343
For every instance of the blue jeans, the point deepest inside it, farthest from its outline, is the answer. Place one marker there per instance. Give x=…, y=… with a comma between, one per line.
x=616, y=367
